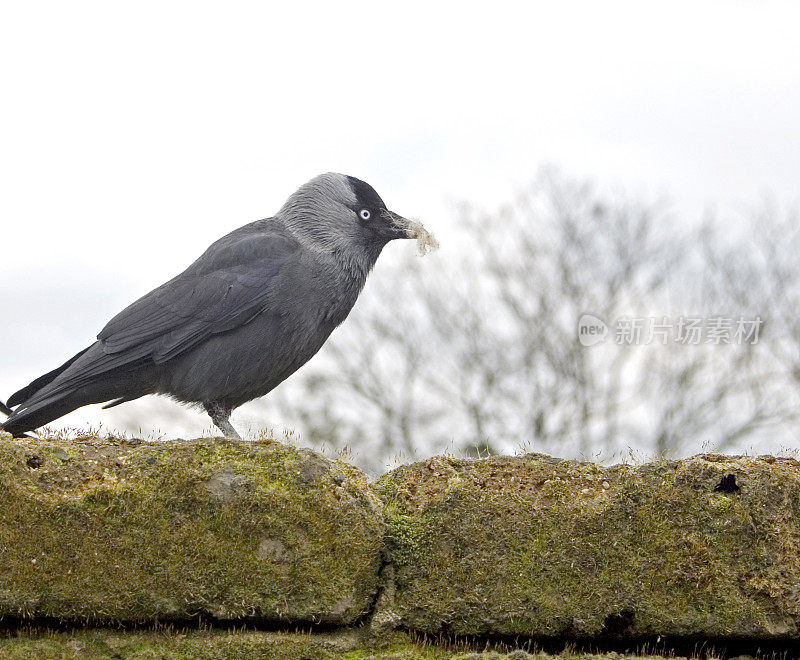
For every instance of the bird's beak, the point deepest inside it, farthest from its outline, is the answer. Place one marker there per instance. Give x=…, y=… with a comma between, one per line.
x=400, y=227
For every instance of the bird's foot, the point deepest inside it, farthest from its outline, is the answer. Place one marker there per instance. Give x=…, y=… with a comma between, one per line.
x=220, y=415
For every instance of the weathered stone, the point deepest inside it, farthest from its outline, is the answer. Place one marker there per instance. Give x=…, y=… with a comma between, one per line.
x=144, y=531
x=708, y=546
x=311, y=466
x=61, y=454
x=225, y=483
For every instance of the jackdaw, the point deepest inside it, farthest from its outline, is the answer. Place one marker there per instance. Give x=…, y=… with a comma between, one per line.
x=255, y=307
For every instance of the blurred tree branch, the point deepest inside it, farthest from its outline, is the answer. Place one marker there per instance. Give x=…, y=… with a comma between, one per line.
x=477, y=351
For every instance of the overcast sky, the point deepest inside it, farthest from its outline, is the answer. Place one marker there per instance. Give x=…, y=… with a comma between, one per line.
x=134, y=134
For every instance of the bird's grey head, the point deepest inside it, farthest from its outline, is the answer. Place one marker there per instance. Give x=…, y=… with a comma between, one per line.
x=342, y=216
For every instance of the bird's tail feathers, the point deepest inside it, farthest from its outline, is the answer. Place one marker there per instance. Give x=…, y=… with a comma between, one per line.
x=44, y=408
x=27, y=392
x=7, y=411
x=37, y=415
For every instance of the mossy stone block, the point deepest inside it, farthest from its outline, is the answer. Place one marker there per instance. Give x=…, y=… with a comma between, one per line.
x=708, y=546
x=110, y=530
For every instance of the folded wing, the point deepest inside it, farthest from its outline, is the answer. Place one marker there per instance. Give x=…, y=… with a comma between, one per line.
x=229, y=285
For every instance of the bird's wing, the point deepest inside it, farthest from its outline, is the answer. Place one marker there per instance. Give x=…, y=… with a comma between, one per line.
x=227, y=287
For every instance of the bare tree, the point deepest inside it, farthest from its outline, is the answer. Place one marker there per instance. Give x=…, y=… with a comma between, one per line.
x=756, y=274
x=476, y=350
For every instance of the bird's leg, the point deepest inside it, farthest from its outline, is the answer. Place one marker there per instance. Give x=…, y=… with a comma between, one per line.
x=220, y=415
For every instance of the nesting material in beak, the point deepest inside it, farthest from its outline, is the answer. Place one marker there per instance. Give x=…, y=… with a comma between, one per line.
x=426, y=242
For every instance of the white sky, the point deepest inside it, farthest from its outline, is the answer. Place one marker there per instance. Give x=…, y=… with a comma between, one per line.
x=134, y=134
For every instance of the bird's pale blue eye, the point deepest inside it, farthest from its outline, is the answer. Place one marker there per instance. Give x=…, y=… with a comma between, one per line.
x=365, y=214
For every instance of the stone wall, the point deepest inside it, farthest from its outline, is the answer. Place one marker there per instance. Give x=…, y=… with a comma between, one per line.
x=104, y=532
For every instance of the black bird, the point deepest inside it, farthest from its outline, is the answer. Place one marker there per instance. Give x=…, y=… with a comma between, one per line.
x=255, y=307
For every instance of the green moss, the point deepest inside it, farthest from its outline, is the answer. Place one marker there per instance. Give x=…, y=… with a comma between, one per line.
x=537, y=547
x=143, y=531
x=172, y=644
